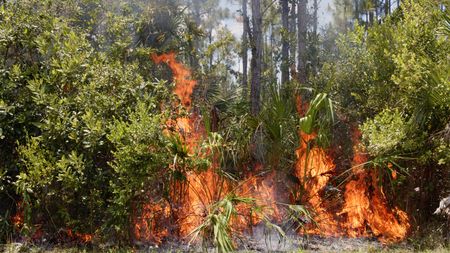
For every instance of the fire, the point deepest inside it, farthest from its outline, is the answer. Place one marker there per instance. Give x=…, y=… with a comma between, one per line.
x=203, y=189
x=18, y=219
x=356, y=200
x=149, y=223
x=314, y=169
x=81, y=237
x=362, y=212
x=193, y=196
x=261, y=188
x=366, y=205
x=365, y=210
x=199, y=191
x=184, y=86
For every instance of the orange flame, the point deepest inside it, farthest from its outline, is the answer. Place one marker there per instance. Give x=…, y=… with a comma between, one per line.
x=148, y=225
x=314, y=169
x=191, y=196
x=199, y=191
x=81, y=237
x=366, y=205
x=184, y=86
x=18, y=218
x=365, y=211
x=263, y=189
x=203, y=190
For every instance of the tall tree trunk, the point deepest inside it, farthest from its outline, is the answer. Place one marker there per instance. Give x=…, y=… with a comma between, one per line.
x=387, y=7
x=315, y=17
x=256, y=42
x=256, y=63
x=272, y=66
x=193, y=57
x=285, y=43
x=371, y=17
x=245, y=48
x=357, y=10
x=211, y=56
x=344, y=18
x=293, y=33
x=301, y=41
x=367, y=17
x=377, y=10
x=314, y=53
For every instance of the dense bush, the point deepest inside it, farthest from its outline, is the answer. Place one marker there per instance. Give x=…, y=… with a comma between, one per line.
x=394, y=79
x=81, y=125
x=83, y=112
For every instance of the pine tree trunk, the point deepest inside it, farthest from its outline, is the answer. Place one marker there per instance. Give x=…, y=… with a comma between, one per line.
x=256, y=62
x=285, y=43
x=314, y=53
x=301, y=41
x=387, y=7
x=357, y=10
x=293, y=32
x=193, y=57
x=245, y=48
x=371, y=17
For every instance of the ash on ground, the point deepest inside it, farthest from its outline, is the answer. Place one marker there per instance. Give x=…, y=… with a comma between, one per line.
x=261, y=239
x=271, y=241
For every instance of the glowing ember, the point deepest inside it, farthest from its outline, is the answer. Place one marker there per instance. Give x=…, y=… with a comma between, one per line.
x=149, y=224
x=81, y=237
x=18, y=219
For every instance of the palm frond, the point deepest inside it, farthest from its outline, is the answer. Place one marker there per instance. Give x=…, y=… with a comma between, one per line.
x=216, y=226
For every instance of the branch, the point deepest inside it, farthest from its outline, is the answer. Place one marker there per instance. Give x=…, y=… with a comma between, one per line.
x=267, y=8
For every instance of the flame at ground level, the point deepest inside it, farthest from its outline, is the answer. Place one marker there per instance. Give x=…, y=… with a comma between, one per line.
x=314, y=169
x=193, y=197
x=362, y=211
x=366, y=205
x=365, y=211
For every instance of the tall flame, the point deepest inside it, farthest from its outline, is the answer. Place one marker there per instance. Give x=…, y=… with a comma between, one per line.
x=184, y=86
x=366, y=205
x=363, y=210
x=199, y=191
x=314, y=169
x=193, y=196
x=148, y=217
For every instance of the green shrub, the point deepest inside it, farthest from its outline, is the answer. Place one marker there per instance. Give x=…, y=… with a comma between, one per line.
x=81, y=127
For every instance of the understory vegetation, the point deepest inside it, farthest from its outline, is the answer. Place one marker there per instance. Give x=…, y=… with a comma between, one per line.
x=84, y=112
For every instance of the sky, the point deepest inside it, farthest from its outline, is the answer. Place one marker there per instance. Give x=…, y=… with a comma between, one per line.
x=235, y=27
x=325, y=17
